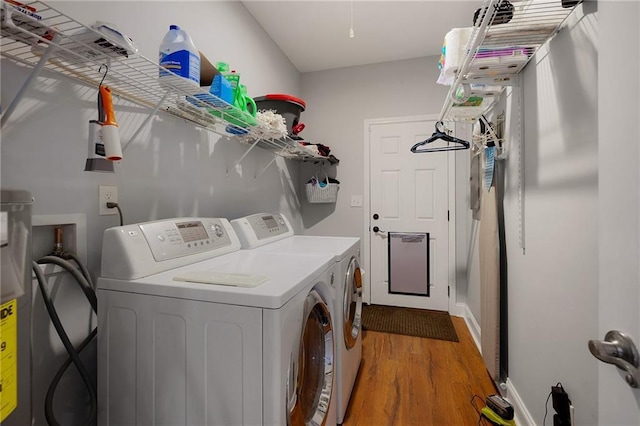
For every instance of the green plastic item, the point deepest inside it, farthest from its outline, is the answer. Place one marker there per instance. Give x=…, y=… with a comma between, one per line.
x=234, y=79
x=246, y=101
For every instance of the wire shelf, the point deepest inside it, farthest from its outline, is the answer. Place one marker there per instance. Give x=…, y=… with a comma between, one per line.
x=496, y=53
x=32, y=31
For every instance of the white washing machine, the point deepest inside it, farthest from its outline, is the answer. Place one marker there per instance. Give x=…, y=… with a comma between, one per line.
x=264, y=232
x=192, y=330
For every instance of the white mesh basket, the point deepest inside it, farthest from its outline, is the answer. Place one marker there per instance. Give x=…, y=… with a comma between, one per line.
x=319, y=194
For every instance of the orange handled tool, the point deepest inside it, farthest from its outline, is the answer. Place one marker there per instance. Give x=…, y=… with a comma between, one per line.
x=108, y=125
x=107, y=117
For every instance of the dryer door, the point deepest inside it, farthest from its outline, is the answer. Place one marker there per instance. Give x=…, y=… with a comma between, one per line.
x=308, y=403
x=352, y=308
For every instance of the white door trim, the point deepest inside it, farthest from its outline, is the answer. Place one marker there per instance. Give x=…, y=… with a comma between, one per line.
x=365, y=255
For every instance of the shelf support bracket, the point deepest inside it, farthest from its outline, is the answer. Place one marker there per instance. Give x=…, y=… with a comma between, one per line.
x=275, y=157
x=34, y=73
x=247, y=152
x=147, y=120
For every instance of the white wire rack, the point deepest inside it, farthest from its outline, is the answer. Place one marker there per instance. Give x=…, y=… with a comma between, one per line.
x=36, y=34
x=496, y=53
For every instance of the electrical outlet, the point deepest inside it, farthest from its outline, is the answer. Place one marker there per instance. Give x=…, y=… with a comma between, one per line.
x=356, y=201
x=107, y=194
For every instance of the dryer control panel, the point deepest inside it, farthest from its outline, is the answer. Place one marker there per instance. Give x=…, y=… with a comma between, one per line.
x=261, y=228
x=135, y=251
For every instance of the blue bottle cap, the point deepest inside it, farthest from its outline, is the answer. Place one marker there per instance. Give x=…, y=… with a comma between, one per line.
x=174, y=27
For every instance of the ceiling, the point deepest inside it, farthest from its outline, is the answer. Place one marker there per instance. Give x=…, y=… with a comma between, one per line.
x=315, y=34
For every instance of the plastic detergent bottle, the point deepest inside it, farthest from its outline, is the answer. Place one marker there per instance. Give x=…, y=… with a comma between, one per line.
x=178, y=55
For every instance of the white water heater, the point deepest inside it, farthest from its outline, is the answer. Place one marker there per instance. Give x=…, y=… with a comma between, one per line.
x=15, y=308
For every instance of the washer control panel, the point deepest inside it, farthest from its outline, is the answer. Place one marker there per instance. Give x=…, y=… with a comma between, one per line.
x=261, y=228
x=168, y=240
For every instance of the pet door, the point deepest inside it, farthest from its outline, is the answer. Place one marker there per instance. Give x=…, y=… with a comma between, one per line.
x=409, y=263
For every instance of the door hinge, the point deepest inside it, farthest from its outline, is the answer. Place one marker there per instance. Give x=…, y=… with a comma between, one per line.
x=448, y=291
x=448, y=215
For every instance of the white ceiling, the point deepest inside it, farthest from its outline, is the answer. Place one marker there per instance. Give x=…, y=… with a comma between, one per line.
x=315, y=34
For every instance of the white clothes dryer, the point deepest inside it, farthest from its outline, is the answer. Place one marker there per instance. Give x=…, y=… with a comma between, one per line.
x=192, y=330
x=273, y=233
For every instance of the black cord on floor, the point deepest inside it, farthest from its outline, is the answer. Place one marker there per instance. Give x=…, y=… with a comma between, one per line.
x=473, y=404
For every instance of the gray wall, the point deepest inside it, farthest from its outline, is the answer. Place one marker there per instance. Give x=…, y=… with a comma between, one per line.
x=172, y=169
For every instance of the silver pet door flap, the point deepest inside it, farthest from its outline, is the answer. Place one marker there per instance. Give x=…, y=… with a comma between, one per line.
x=409, y=263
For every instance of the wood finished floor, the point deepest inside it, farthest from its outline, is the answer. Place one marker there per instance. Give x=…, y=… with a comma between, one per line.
x=406, y=380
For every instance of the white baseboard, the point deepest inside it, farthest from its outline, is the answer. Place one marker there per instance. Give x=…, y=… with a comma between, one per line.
x=471, y=322
x=522, y=415
x=458, y=310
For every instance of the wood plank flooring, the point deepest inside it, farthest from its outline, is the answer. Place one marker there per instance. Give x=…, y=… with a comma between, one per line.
x=406, y=380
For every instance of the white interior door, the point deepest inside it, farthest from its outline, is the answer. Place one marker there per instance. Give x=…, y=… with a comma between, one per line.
x=408, y=193
x=619, y=202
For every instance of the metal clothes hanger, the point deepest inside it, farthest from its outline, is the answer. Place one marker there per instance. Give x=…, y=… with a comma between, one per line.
x=439, y=134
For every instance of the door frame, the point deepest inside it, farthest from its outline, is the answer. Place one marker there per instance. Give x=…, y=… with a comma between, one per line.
x=366, y=233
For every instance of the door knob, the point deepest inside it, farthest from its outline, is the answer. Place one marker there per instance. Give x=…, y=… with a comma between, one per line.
x=618, y=349
x=376, y=229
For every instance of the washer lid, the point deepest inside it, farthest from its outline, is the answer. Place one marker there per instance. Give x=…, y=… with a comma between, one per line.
x=339, y=247
x=222, y=278
x=287, y=275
